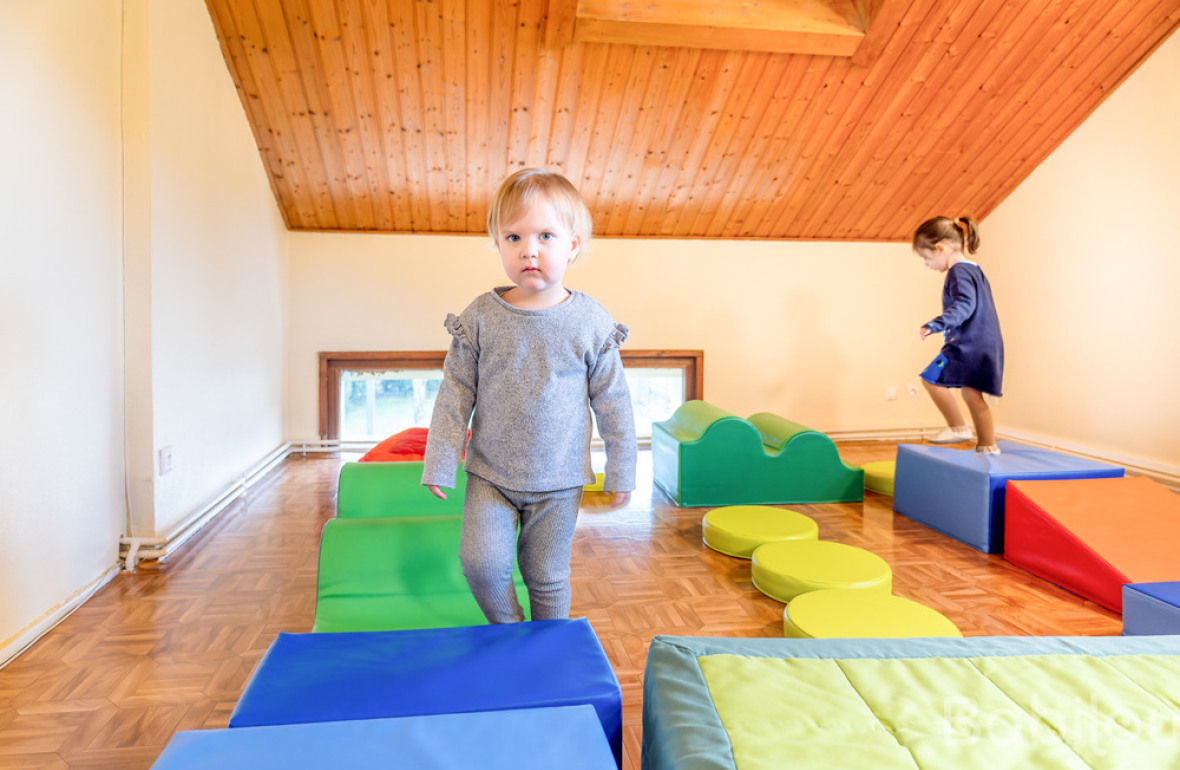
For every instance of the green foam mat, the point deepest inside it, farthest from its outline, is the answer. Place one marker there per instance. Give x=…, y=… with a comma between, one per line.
x=395, y=574
x=382, y=490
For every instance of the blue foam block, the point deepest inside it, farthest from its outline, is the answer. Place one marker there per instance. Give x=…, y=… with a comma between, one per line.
x=374, y=674
x=960, y=493
x=1151, y=608
x=567, y=737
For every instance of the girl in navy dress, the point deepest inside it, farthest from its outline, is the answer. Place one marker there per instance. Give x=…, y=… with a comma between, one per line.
x=972, y=355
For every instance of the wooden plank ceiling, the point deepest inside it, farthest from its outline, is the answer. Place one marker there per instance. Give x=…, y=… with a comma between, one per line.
x=404, y=115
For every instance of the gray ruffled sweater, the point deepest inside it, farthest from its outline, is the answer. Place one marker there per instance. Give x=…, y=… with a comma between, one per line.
x=526, y=381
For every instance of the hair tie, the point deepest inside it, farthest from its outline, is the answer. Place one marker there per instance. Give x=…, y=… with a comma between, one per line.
x=964, y=231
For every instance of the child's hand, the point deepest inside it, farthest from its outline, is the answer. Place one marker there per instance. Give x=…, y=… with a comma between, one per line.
x=924, y=332
x=619, y=499
x=434, y=490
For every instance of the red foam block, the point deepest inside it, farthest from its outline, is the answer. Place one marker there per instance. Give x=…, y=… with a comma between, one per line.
x=1091, y=536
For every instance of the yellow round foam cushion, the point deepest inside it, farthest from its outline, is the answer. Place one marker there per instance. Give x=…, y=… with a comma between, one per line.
x=786, y=569
x=879, y=477
x=736, y=530
x=841, y=613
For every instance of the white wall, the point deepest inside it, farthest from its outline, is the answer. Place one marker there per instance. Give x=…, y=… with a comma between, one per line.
x=812, y=331
x=1085, y=262
x=218, y=261
x=61, y=363
x=142, y=292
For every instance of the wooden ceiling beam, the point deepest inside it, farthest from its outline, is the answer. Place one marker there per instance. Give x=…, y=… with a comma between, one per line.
x=830, y=27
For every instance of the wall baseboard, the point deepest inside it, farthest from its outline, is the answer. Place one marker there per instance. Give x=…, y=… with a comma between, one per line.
x=1167, y=475
x=13, y=646
x=133, y=549
x=314, y=445
x=877, y=434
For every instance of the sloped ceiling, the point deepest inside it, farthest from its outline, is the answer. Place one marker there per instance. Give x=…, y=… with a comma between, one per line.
x=783, y=119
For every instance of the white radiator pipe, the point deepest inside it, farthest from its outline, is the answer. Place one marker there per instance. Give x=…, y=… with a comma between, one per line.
x=159, y=546
x=136, y=551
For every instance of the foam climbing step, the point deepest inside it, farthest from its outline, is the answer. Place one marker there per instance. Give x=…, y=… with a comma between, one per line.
x=961, y=493
x=569, y=737
x=1151, y=608
x=395, y=573
x=705, y=456
x=879, y=476
x=786, y=569
x=337, y=677
x=736, y=530
x=1091, y=536
x=384, y=489
x=841, y=613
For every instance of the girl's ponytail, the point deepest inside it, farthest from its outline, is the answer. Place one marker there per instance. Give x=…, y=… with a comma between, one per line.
x=969, y=229
x=963, y=231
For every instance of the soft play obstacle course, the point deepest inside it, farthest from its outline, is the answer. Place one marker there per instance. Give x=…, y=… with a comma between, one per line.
x=786, y=569
x=1091, y=536
x=960, y=493
x=395, y=573
x=1151, y=608
x=383, y=489
x=736, y=530
x=567, y=737
x=705, y=456
x=339, y=677
x=840, y=613
x=879, y=477
x=903, y=704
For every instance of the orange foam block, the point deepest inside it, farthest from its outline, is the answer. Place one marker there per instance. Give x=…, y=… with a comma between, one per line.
x=1091, y=536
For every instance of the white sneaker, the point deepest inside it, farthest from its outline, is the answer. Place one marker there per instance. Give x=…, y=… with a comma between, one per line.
x=952, y=435
x=987, y=449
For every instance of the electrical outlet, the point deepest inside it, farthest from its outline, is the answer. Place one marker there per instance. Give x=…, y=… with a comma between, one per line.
x=890, y=393
x=911, y=391
x=165, y=460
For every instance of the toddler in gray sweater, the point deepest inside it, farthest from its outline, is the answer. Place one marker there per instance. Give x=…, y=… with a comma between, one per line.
x=526, y=365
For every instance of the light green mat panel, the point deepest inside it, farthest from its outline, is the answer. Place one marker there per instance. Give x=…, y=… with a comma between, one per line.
x=981, y=703
x=705, y=456
x=368, y=490
x=394, y=574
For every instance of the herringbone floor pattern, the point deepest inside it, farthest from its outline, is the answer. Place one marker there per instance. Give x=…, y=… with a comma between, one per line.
x=171, y=647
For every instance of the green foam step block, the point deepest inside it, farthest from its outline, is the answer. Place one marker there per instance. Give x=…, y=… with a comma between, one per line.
x=368, y=490
x=705, y=456
x=394, y=574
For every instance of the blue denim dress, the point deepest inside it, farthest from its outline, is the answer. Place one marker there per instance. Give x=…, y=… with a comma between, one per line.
x=972, y=354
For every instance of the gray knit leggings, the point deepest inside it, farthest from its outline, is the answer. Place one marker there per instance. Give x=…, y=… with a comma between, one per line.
x=546, y=520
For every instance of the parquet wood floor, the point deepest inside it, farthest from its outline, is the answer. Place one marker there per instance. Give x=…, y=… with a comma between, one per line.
x=171, y=647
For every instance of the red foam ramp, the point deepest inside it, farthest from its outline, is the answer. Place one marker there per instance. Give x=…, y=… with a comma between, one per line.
x=1091, y=536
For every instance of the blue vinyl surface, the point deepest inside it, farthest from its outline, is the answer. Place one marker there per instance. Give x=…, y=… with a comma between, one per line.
x=960, y=493
x=566, y=737
x=1151, y=608
x=326, y=677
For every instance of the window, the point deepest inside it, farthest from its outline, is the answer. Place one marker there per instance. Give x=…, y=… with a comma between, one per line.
x=372, y=395
x=375, y=404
